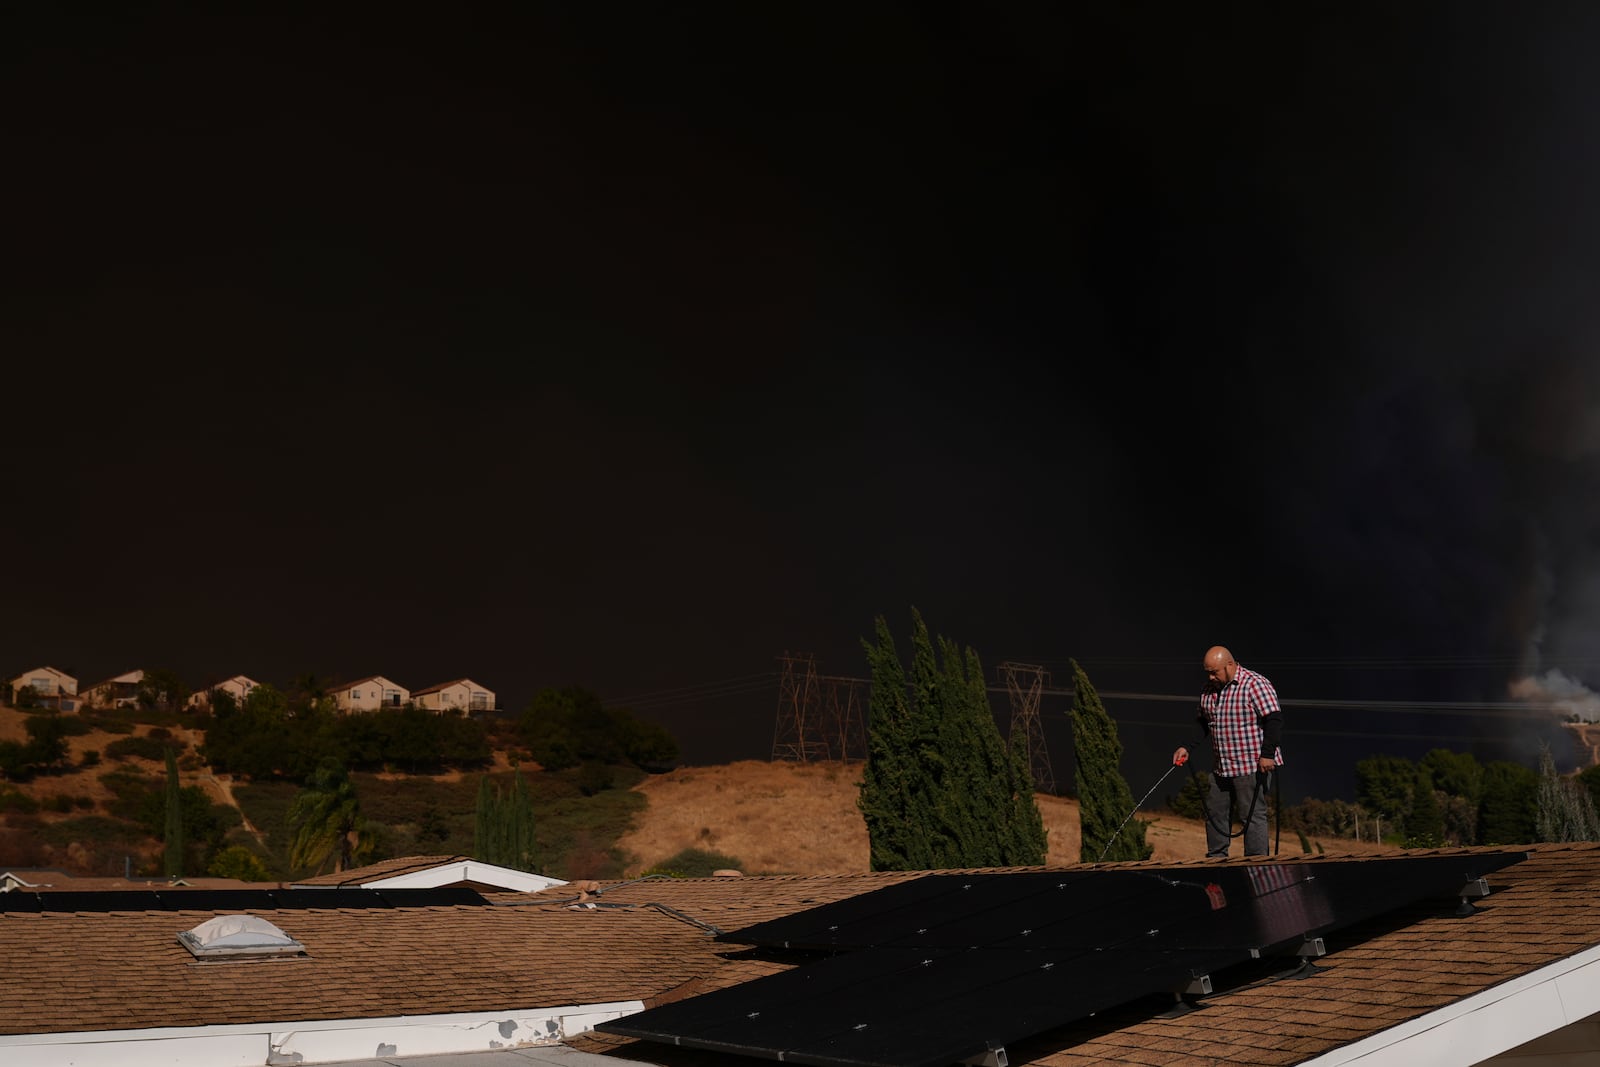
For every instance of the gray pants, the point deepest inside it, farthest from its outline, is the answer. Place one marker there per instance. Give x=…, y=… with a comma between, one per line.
x=1228, y=794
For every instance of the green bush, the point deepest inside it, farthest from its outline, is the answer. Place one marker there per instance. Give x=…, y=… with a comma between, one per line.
x=94, y=831
x=74, y=726
x=695, y=863
x=137, y=748
x=21, y=803
x=128, y=788
x=239, y=862
x=1191, y=799
x=106, y=723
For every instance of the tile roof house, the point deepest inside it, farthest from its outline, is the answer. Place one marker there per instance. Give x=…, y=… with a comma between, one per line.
x=119, y=692
x=51, y=688
x=462, y=693
x=238, y=687
x=383, y=976
x=369, y=694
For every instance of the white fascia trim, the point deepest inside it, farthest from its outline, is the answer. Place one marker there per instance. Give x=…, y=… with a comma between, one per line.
x=266, y=1044
x=1485, y=1024
x=466, y=871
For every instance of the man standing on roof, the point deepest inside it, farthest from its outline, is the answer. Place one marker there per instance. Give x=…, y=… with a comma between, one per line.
x=1239, y=712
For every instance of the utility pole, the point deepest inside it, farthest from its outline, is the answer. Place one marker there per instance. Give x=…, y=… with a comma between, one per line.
x=1025, y=683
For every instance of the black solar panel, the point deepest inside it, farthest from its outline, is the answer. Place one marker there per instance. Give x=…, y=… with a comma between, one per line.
x=946, y=968
x=233, y=900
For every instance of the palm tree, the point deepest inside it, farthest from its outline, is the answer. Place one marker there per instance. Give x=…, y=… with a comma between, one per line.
x=326, y=819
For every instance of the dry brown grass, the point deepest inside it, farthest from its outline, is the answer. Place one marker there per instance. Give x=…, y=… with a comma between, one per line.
x=801, y=818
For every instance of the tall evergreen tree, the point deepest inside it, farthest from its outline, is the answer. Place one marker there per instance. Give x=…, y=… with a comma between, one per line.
x=484, y=847
x=1104, y=799
x=173, y=843
x=1566, y=810
x=517, y=818
x=1425, y=821
x=504, y=826
x=1509, y=808
x=941, y=788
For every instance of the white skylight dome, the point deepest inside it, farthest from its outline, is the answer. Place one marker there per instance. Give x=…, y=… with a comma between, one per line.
x=238, y=935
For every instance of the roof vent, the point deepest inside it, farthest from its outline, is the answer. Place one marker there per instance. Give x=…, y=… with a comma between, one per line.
x=238, y=935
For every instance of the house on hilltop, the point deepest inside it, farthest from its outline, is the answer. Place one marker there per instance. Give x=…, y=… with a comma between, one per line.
x=463, y=694
x=369, y=694
x=238, y=687
x=1502, y=970
x=50, y=688
x=119, y=692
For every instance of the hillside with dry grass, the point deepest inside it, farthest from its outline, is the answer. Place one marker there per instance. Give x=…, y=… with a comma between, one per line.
x=768, y=817
x=802, y=818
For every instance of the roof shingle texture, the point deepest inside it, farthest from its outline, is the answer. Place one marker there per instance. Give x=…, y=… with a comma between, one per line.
x=644, y=941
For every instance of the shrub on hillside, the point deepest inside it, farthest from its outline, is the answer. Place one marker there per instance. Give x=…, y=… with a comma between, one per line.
x=239, y=862
x=1191, y=799
x=694, y=863
x=107, y=724
x=21, y=803
x=137, y=748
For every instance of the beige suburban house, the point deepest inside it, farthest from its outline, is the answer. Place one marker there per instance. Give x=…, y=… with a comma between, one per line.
x=238, y=687
x=369, y=694
x=462, y=693
x=119, y=692
x=51, y=688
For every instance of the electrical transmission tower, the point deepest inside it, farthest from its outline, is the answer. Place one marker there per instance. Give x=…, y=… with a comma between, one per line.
x=844, y=701
x=1025, y=683
x=820, y=717
x=797, y=735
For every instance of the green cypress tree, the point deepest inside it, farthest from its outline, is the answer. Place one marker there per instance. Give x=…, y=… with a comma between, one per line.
x=892, y=783
x=172, y=852
x=517, y=819
x=941, y=788
x=483, y=821
x=1425, y=823
x=1104, y=799
x=1509, y=808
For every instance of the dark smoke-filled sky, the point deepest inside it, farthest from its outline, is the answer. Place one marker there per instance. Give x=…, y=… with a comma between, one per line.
x=633, y=348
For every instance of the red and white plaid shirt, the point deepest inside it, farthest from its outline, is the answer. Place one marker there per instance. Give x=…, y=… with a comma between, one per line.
x=1231, y=715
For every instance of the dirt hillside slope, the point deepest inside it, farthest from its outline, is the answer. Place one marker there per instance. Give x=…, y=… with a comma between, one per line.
x=802, y=818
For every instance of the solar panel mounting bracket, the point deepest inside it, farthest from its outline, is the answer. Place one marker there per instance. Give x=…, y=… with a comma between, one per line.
x=994, y=1057
x=1476, y=888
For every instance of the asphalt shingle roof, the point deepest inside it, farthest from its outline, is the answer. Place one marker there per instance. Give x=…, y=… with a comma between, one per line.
x=648, y=941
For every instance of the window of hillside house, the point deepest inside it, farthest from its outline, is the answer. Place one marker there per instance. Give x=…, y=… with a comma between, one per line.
x=42, y=686
x=355, y=694
x=391, y=697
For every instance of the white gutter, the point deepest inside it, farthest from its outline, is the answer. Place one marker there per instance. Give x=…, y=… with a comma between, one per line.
x=269, y=1044
x=1485, y=1024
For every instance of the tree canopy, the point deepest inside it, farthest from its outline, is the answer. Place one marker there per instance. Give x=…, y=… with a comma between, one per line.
x=567, y=727
x=941, y=789
x=1104, y=800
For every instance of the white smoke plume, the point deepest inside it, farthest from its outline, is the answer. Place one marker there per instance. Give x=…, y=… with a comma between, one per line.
x=1562, y=693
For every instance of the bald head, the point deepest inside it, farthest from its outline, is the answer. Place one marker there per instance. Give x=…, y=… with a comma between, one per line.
x=1219, y=666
